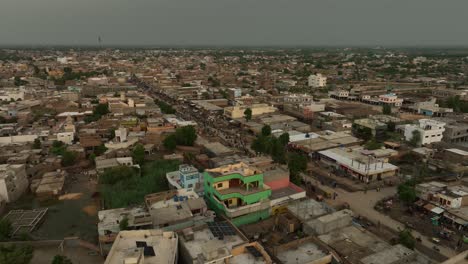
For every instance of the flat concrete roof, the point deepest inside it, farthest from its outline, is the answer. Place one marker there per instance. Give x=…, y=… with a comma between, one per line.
x=205, y=243
x=309, y=209
x=304, y=253
x=164, y=245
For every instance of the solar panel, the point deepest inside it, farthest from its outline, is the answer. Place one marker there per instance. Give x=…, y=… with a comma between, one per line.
x=221, y=229
x=254, y=251
x=149, y=251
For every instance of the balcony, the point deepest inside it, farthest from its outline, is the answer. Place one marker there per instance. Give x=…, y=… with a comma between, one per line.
x=246, y=209
x=242, y=190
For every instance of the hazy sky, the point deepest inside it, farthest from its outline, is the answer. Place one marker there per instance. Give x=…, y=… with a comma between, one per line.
x=235, y=22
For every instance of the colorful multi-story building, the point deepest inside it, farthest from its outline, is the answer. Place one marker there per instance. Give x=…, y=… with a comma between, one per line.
x=238, y=192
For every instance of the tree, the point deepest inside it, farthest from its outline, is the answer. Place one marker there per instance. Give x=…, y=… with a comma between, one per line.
x=69, y=158
x=101, y=109
x=373, y=144
x=277, y=151
x=99, y=150
x=5, y=229
x=123, y=225
x=59, y=259
x=284, y=139
x=416, y=138
x=16, y=254
x=170, y=142
x=297, y=163
x=248, y=114
x=37, y=144
x=266, y=130
x=186, y=135
x=407, y=192
x=260, y=144
x=117, y=174
x=406, y=239
x=58, y=148
x=386, y=109
x=391, y=126
x=138, y=154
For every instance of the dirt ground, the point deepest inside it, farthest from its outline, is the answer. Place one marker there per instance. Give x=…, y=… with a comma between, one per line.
x=421, y=222
x=74, y=214
x=44, y=255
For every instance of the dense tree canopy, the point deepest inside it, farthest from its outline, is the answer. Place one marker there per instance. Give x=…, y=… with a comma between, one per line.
x=16, y=254
x=248, y=114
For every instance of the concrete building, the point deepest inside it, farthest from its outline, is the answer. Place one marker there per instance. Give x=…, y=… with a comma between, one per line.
x=364, y=165
x=329, y=222
x=238, y=192
x=199, y=246
x=235, y=112
x=431, y=131
x=339, y=94
x=66, y=137
x=455, y=132
x=317, y=80
x=102, y=164
x=431, y=108
x=390, y=99
x=177, y=209
x=378, y=129
x=13, y=181
x=187, y=177
x=144, y=247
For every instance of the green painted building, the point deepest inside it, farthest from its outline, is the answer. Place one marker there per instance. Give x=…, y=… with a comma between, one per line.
x=237, y=192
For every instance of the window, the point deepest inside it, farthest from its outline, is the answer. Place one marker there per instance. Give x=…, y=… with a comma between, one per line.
x=220, y=185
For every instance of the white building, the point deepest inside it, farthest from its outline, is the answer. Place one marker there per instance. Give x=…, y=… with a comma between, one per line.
x=12, y=95
x=431, y=131
x=317, y=80
x=66, y=137
x=13, y=181
x=340, y=94
x=144, y=247
x=391, y=99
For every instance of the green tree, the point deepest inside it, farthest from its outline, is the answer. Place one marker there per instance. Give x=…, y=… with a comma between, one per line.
x=406, y=239
x=186, y=135
x=5, y=229
x=266, y=130
x=59, y=259
x=99, y=150
x=373, y=144
x=284, y=139
x=123, y=225
x=170, y=142
x=16, y=254
x=391, y=126
x=117, y=174
x=58, y=148
x=297, y=163
x=386, y=109
x=37, y=144
x=92, y=158
x=260, y=144
x=407, y=192
x=69, y=158
x=415, y=140
x=101, y=109
x=138, y=154
x=248, y=114
x=277, y=151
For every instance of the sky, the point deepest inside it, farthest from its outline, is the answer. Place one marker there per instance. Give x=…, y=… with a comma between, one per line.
x=235, y=22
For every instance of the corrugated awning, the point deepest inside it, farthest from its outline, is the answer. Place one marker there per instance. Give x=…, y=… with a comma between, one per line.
x=437, y=210
x=429, y=207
